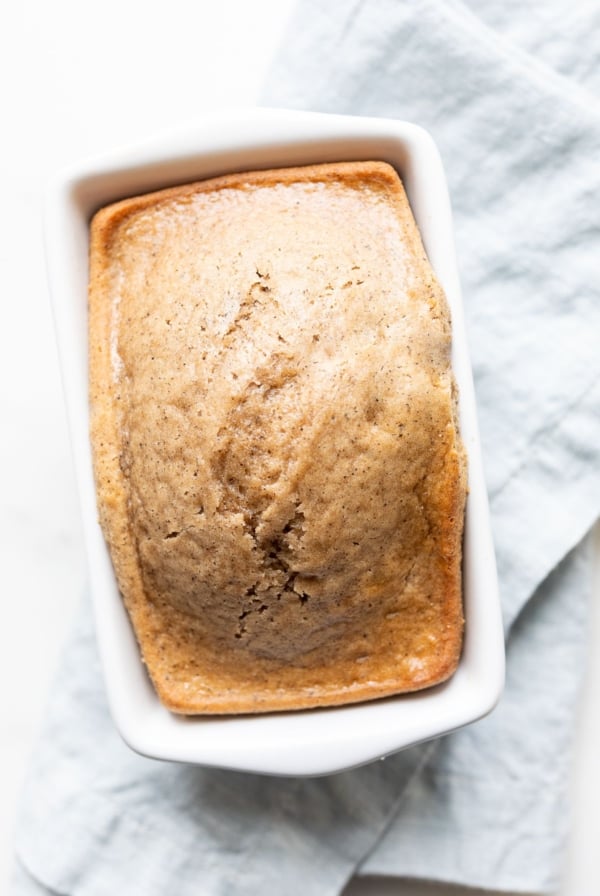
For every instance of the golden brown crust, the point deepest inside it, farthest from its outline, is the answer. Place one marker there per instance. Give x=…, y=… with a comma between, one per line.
x=280, y=477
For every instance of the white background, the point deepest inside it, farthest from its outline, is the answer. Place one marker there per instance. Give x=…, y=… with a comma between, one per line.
x=78, y=79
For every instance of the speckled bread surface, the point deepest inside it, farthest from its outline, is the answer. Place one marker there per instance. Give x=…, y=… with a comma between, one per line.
x=280, y=477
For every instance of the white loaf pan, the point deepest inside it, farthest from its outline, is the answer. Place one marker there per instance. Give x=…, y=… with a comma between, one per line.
x=311, y=742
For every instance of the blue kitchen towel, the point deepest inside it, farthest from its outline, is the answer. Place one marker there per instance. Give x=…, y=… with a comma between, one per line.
x=518, y=126
x=485, y=806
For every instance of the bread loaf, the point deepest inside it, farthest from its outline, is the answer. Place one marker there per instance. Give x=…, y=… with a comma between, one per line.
x=280, y=476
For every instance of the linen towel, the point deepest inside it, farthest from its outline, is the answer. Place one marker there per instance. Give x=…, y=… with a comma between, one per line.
x=485, y=806
x=519, y=131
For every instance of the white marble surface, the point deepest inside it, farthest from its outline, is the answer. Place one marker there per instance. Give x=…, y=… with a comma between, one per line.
x=77, y=80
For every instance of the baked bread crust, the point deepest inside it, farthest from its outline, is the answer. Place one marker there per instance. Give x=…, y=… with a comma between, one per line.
x=280, y=477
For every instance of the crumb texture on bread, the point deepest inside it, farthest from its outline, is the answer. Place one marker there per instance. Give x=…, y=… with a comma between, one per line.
x=280, y=477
